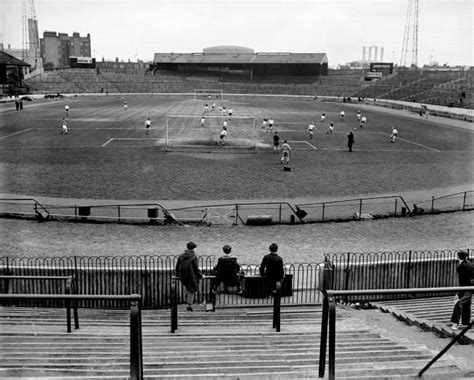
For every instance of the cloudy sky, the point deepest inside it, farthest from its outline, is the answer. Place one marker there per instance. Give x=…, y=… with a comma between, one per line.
x=340, y=28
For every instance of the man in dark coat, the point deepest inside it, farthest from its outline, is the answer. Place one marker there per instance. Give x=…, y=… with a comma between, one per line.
x=227, y=269
x=187, y=270
x=272, y=268
x=462, y=307
x=350, y=140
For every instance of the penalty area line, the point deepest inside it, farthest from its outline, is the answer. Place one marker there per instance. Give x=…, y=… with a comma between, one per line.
x=129, y=138
x=112, y=139
x=307, y=143
x=16, y=133
x=413, y=143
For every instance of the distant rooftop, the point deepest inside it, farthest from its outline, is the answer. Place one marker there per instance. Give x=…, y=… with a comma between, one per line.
x=239, y=54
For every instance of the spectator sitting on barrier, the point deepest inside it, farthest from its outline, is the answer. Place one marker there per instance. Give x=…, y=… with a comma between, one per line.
x=227, y=270
x=272, y=268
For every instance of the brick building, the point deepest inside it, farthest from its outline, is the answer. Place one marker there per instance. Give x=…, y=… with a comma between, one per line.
x=57, y=48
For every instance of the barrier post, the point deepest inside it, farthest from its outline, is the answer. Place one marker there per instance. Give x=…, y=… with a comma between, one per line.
x=277, y=307
x=174, y=306
x=332, y=338
x=324, y=336
x=136, y=361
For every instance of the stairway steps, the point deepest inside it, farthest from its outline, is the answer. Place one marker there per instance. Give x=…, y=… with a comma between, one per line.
x=228, y=344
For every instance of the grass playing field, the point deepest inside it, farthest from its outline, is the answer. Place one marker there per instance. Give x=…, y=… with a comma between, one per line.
x=107, y=154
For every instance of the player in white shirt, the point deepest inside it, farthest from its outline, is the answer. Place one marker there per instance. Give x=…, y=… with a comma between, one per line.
x=330, y=128
x=270, y=126
x=311, y=129
x=358, y=115
x=363, y=120
x=285, y=153
x=394, y=135
x=264, y=123
x=206, y=108
x=64, y=127
x=147, y=126
x=125, y=105
x=66, y=109
x=323, y=117
x=224, y=124
x=343, y=114
x=230, y=111
x=203, y=120
x=222, y=136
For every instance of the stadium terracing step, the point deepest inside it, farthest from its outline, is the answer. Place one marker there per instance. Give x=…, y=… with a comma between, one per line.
x=432, y=313
x=229, y=343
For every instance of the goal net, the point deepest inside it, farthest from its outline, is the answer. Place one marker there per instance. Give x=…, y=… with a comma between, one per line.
x=211, y=94
x=203, y=133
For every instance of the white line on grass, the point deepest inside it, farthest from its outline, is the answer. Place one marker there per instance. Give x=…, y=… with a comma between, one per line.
x=412, y=142
x=16, y=133
x=108, y=141
x=130, y=138
x=307, y=143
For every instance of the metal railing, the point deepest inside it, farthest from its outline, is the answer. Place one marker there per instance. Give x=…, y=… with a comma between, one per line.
x=276, y=295
x=134, y=301
x=389, y=270
x=69, y=289
x=328, y=338
x=355, y=209
x=463, y=201
x=150, y=276
x=232, y=214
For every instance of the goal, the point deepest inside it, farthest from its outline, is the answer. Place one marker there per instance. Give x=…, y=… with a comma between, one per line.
x=189, y=133
x=208, y=94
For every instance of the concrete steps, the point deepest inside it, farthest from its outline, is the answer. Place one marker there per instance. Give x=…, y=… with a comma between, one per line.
x=228, y=344
x=433, y=314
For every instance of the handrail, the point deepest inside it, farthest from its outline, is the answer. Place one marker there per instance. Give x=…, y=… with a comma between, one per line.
x=38, y=214
x=69, y=289
x=174, y=302
x=136, y=346
x=444, y=350
x=276, y=318
x=277, y=307
x=357, y=199
x=329, y=315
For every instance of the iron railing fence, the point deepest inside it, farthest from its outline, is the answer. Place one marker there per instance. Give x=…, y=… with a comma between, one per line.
x=150, y=276
x=391, y=270
x=231, y=214
x=354, y=209
x=453, y=202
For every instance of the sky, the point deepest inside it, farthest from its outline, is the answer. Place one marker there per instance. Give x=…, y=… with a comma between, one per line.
x=136, y=29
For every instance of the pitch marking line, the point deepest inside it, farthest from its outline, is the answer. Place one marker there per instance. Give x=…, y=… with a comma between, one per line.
x=130, y=138
x=16, y=133
x=413, y=143
x=307, y=143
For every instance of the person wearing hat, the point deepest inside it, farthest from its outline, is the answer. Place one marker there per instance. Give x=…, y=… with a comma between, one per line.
x=272, y=268
x=463, y=300
x=187, y=269
x=227, y=270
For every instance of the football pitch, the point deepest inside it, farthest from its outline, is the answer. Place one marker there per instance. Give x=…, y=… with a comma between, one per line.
x=108, y=154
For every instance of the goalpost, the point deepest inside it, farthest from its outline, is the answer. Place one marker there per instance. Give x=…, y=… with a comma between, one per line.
x=202, y=93
x=185, y=132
